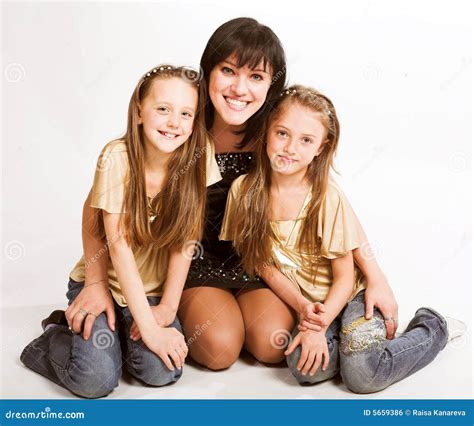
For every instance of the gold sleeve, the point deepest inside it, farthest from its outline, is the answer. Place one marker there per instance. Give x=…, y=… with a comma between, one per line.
x=226, y=228
x=108, y=190
x=337, y=226
x=213, y=174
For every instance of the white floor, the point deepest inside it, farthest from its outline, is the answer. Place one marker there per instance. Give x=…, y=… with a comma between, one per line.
x=449, y=376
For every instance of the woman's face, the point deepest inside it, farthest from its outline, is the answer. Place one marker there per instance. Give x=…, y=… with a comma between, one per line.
x=238, y=93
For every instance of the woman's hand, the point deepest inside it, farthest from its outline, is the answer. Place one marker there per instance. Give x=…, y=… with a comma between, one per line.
x=311, y=318
x=94, y=298
x=378, y=294
x=169, y=345
x=314, y=351
x=164, y=316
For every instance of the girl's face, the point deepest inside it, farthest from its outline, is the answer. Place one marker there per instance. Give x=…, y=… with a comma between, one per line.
x=295, y=137
x=167, y=114
x=238, y=93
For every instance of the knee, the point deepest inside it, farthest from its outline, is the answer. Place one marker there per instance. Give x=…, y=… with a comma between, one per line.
x=152, y=371
x=95, y=383
x=217, y=350
x=305, y=379
x=361, y=383
x=267, y=345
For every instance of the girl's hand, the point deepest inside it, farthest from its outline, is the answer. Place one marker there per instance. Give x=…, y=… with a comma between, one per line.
x=169, y=345
x=314, y=351
x=311, y=318
x=164, y=316
x=95, y=298
x=379, y=294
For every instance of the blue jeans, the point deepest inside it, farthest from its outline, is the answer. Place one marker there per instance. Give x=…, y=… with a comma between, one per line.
x=366, y=360
x=92, y=368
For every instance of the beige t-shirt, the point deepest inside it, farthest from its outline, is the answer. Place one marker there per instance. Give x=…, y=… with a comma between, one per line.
x=337, y=229
x=108, y=194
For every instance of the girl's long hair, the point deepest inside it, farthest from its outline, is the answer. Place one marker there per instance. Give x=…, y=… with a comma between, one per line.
x=251, y=42
x=180, y=205
x=251, y=233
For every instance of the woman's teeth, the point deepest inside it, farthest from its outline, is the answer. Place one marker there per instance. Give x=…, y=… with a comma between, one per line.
x=236, y=103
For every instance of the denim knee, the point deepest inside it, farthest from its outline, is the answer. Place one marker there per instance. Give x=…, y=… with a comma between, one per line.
x=96, y=384
x=150, y=369
x=320, y=376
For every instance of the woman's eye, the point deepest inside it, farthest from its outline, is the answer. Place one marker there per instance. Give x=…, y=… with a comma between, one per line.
x=257, y=77
x=227, y=70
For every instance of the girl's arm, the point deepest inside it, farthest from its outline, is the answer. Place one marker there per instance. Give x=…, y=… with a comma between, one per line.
x=165, y=311
x=378, y=293
x=287, y=291
x=165, y=342
x=341, y=288
x=95, y=296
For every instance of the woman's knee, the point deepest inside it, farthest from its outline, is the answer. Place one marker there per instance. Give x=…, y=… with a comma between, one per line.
x=217, y=349
x=267, y=344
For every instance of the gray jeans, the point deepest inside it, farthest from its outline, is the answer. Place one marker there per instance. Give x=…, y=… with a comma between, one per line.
x=366, y=360
x=92, y=368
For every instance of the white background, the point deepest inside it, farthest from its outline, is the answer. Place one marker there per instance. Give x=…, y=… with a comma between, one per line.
x=399, y=74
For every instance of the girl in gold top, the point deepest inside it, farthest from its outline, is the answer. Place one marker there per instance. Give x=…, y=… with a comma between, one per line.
x=160, y=162
x=292, y=225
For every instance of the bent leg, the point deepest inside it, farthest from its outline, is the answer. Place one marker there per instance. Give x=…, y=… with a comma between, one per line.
x=370, y=362
x=139, y=361
x=89, y=368
x=268, y=322
x=213, y=326
x=333, y=349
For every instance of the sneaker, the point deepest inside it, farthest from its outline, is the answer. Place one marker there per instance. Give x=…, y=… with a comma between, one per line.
x=57, y=317
x=456, y=328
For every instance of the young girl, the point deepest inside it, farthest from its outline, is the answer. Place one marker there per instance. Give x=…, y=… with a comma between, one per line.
x=160, y=162
x=292, y=225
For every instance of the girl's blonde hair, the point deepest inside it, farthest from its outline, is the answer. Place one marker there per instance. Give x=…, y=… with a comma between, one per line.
x=251, y=233
x=180, y=206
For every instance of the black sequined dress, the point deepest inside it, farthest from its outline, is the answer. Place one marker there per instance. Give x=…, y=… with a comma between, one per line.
x=217, y=264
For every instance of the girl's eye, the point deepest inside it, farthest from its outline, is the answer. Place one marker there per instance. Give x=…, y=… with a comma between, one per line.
x=187, y=114
x=307, y=140
x=256, y=77
x=227, y=70
x=281, y=133
x=163, y=109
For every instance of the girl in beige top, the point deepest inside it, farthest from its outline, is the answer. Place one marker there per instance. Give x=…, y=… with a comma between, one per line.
x=293, y=226
x=149, y=192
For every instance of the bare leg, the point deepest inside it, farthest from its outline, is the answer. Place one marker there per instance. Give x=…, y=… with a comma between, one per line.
x=268, y=324
x=213, y=326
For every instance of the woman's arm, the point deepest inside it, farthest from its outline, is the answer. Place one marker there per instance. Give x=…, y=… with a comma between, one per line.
x=165, y=342
x=95, y=296
x=378, y=293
